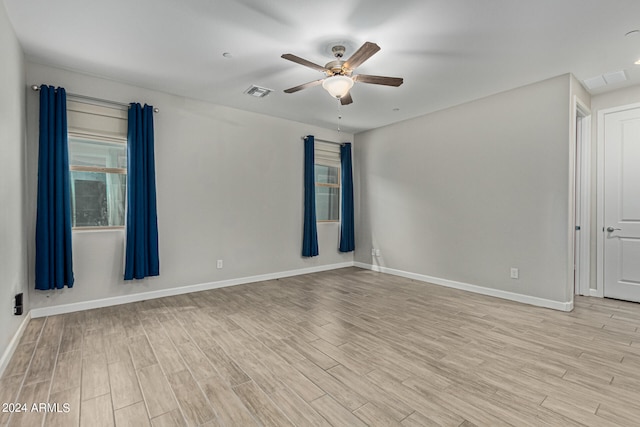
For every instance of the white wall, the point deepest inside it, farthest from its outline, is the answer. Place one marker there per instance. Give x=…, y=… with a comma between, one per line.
x=13, y=251
x=626, y=96
x=229, y=186
x=466, y=193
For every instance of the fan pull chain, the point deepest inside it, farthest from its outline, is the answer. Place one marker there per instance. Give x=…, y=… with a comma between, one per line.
x=339, y=114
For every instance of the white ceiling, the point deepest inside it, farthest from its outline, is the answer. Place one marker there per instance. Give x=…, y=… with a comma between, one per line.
x=448, y=51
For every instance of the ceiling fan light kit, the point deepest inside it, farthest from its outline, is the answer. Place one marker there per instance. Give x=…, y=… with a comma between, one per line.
x=337, y=86
x=339, y=78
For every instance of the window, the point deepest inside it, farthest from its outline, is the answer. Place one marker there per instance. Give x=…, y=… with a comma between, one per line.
x=327, y=179
x=98, y=164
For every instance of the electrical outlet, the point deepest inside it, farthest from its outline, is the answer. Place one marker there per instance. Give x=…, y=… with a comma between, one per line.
x=17, y=308
x=220, y=264
x=378, y=253
x=515, y=274
x=373, y=251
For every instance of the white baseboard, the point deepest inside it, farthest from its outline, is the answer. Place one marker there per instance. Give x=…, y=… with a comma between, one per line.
x=540, y=302
x=124, y=299
x=13, y=344
x=106, y=302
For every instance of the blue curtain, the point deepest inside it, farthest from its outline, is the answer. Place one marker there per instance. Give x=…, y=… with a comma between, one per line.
x=141, y=253
x=310, y=237
x=347, y=236
x=54, y=261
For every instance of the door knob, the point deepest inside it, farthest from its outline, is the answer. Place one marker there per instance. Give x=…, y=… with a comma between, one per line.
x=611, y=229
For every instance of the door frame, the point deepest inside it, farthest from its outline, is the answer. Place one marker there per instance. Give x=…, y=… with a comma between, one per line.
x=599, y=291
x=583, y=199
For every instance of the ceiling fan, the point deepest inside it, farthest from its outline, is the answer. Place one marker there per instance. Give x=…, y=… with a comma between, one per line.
x=339, y=73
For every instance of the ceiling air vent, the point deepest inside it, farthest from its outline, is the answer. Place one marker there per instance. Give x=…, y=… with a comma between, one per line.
x=605, y=79
x=257, y=91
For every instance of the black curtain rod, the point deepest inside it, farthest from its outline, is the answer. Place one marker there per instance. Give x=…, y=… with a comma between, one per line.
x=89, y=98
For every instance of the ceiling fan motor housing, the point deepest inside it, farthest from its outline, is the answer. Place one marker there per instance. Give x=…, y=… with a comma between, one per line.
x=336, y=67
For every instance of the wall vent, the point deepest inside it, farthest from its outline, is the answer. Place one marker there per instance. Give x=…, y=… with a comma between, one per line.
x=257, y=91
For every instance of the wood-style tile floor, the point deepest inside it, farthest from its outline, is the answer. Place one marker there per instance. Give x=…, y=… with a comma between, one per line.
x=344, y=348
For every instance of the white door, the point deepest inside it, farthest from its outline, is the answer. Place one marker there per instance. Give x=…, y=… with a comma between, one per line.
x=622, y=205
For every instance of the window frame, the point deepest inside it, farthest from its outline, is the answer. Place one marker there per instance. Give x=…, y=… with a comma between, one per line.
x=78, y=130
x=325, y=154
